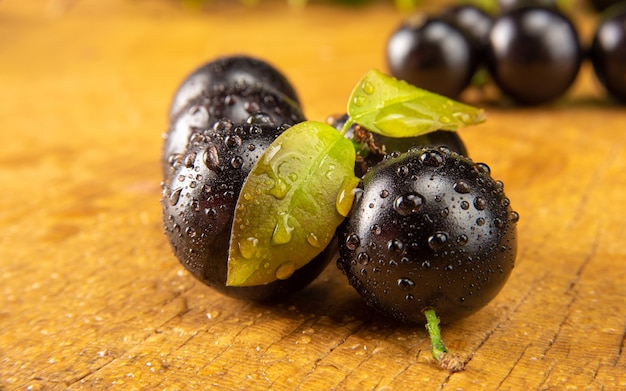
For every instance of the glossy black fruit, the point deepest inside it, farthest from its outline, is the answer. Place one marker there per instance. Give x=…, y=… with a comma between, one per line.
x=228, y=71
x=233, y=102
x=431, y=229
x=474, y=22
x=608, y=54
x=199, y=201
x=432, y=54
x=534, y=54
x=383, y=145
x=509, y=5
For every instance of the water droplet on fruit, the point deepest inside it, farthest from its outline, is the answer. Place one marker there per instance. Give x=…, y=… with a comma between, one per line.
x=211, y=158
x=482, y=167
x=431, y=158
x=285, y=270
x=312, y=239
x=406, y=284
x=408, y=204
x=191, y=232
x=409, y=297
x=175, y=196
x=438, y=240
x=384, y=193
x=462, y=239
x=395, y=245
x=189, y=160
x=352, y=242
x=232, y=141
x=283, y=231
x=480, y=203
x=462, y=187
x=445, y=212
x=498, y=222
x=465, y=205
x=236, y=162
x=513, y=217
x=402, y=171
x=248, y=247
x=375, y=229
x=362, y=258
x=480, y=221
x=259, y=118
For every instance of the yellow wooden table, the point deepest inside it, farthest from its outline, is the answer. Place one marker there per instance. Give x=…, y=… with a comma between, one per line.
x=93, y=298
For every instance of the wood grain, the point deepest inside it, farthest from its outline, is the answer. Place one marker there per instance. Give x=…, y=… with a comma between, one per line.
x=92, y=297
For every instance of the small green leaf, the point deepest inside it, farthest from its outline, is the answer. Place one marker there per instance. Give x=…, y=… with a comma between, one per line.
x=290, y=204
x=391, y=107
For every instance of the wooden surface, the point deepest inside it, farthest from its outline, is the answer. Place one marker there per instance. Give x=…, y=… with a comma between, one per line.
x=92, y=297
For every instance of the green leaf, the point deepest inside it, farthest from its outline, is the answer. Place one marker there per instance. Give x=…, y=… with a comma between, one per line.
x=391, y=107
x=292, y=201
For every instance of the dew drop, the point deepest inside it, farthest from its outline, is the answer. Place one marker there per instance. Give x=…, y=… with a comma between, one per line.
x=359, y=101
x=384, y=193
x=189, y=160
x=462, y=239
x=259, y=118
x=445, y=212
x=236, y=162
x=431, y=158
x=482, y=167
x=211, y=158
x=368, y=87
x=513, y=217
x=352, y=242
x=408, y=204
x=480, y=203
x=402, y=171
x=462, y=187
x=248, y=247
x=395, y=245
x=498, y=222
x=362, y=258
x=438, y=240
x=409, y=297
x=312, y=239
x=480, y=221
x=191, y=232
x=375, y=229
x=279, y=190
x=406, y=284
x=175, y=196
x=345, y=197
x=283, y=231
x=232, y=141
x=285, y=270
x=465, y=205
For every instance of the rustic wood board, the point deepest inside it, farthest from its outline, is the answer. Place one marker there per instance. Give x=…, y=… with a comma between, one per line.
x=92, y=297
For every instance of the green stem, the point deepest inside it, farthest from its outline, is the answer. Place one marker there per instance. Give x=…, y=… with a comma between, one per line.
x=439, y=351
x=346, y=126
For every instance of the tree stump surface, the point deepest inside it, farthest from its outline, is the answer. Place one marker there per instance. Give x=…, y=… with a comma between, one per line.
x=93, y=298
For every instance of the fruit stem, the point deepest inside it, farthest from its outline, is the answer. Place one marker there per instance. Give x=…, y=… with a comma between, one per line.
x=346, y=125
x=440, y=353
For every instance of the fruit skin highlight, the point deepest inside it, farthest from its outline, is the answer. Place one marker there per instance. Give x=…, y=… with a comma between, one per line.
x=228, y=71
x=534, y=54
x=199, y=201
x=431, y=230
